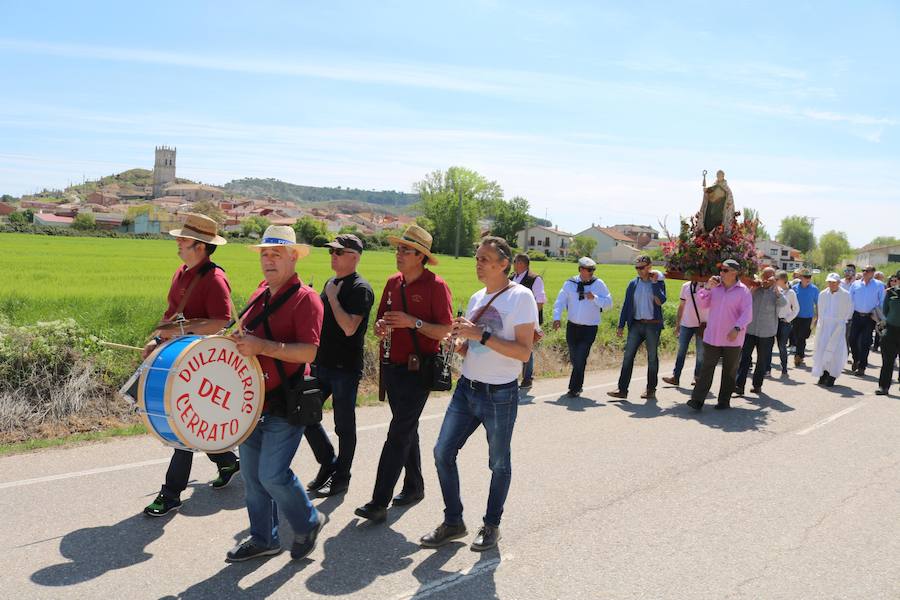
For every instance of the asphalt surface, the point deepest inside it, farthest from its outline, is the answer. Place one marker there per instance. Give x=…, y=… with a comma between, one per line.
x=792, y=494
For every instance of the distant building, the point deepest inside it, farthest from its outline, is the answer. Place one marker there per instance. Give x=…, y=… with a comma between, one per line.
x=642, y=235
x=778, y=255
x=51, y=220
x=877, y=255
x=142, y=223
x=195, y=192
x=103, y=198
x=613, y=246
x=163, y=169
x=6, y=209
x=550, y=241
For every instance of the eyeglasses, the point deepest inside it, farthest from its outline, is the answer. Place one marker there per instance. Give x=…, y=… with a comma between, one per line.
x=340, y=251
x=405, y=250
x=641, y=267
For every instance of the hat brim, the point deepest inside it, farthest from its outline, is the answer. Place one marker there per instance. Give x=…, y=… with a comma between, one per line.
x=303, y=249
x=396, y=241
x=215, y=240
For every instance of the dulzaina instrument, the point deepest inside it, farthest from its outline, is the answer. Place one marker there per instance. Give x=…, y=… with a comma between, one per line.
x=198, y=393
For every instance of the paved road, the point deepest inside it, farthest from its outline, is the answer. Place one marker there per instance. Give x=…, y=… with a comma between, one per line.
x=794, y=494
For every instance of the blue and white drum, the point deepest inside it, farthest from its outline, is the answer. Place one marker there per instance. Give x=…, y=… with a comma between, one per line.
x=198, y=393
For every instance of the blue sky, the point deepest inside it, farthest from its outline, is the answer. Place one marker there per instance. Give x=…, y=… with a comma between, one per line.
x=595, y=112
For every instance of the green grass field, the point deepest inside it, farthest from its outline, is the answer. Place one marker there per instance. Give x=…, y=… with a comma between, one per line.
x=117, y=288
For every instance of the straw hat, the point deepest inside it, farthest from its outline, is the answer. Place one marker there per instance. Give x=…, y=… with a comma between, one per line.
x=279, y=236
x=200, y=228
x=415, y=237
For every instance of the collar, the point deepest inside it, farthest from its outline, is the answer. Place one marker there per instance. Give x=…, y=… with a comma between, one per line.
x=197, y=267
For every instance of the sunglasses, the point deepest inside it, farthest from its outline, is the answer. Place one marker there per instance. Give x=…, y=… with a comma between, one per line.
x=407, y=251
x=340, y=251
x=725, y=270
x=640, y=268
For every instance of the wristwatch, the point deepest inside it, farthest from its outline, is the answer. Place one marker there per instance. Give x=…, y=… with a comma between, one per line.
x=485, y=337
x=419, y=323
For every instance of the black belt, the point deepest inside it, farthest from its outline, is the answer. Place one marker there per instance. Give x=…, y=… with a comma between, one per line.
x=865, y=314
x=479, y=386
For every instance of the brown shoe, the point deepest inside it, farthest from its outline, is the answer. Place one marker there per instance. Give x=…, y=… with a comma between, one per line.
x=798, y=361
x=649, y=394
x=617, y=394
x=671, y=380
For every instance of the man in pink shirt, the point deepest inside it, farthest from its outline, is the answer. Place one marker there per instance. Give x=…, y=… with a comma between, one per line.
x=730, y=311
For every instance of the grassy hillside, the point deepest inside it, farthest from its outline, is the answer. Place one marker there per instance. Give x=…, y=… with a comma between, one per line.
x=302, y=193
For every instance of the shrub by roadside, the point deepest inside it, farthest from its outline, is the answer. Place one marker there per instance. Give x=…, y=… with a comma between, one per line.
x=54, y=380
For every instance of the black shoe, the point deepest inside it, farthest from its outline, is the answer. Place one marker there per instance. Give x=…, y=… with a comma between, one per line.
x=722, y=406
x=526, y=383
x=830, y=381
x=443, y=534
x=756, y=390
x=861, y=372
x=225, y=475
x=334, y=486
x=405, y=498
x=697, y=407
x=249, y=549
x=304, y=544
x=855, y=366
x=325, y=472
x=881, y=392
x=486, y=538
x=372, y=512
x=161, y=506
x=738, y=391
x=573, y=394
x=822, y=380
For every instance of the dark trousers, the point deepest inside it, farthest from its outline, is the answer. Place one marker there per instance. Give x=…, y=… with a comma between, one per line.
x=342, y=387
x=407, y=398
x=763, y=347
x=640, y=333
x=781, y=338
x=890, y=348
x=861, y=328
x=579, y=338
x=180, y=470
x=730, y=357
x=801, y=328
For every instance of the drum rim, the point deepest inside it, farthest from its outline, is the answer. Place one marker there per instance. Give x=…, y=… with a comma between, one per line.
x=142, y=382
x=167, y=397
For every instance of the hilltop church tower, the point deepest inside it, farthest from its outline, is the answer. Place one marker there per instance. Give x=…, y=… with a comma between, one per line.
x=163, y=170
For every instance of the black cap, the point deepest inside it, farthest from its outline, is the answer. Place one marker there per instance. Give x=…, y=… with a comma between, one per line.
x=347, y=241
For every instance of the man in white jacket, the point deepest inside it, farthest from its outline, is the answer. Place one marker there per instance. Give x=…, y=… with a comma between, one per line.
x=835, y=308
x=786, y=314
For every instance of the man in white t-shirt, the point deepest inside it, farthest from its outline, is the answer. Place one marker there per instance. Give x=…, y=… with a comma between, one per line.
x=690, y=322
x=495, y=338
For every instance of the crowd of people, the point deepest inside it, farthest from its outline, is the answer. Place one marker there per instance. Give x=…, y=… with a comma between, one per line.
x=296, y=333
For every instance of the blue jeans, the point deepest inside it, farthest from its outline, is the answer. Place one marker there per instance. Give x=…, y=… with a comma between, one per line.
x=269, y=482
x=684, y=340
x=640, y=333
x=342, y=387
x=528, y=368
x=495, y=409
x=579, y=338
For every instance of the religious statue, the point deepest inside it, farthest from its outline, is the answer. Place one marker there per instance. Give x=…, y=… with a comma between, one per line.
x=718, y=206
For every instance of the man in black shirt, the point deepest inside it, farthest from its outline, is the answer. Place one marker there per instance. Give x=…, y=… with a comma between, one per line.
x=348, y=299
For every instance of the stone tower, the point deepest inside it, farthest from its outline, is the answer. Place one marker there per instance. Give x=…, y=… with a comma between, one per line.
x=163, y=170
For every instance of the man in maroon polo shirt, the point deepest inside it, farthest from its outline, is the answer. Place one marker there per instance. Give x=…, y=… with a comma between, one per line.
x=282, y=330
x=199, y=290
x=428, y=316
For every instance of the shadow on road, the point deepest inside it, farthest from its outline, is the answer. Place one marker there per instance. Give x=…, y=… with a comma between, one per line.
x=94, y=551
x=226, y=583
x=577, y=404
x=735, y=419
x=350, y=564
x=433, y=578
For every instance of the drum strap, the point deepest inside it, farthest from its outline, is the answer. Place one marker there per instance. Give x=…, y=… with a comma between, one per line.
x=263, y=317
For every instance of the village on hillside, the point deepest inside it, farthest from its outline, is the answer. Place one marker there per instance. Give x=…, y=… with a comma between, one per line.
x=119, y=204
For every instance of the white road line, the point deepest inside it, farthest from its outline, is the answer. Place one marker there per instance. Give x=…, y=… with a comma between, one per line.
x=22, y=482
x=452, y=580
x=159, y=461
x=833, y=417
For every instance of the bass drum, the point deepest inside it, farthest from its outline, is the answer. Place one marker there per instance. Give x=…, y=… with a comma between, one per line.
x=198, y=393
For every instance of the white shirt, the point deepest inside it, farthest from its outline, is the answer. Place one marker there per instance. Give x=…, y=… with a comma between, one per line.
x=537, y=288
x=691, y=306
x=582, y=312
x=515, y=307
x=789, y=311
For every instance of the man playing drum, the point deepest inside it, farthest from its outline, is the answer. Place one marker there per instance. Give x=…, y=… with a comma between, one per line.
x=282, y=329
x=199, y=290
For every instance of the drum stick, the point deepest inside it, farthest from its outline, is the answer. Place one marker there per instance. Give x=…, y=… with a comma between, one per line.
x=121, y=346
